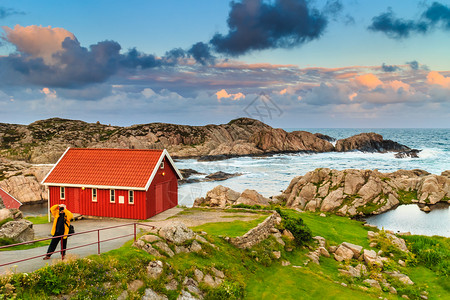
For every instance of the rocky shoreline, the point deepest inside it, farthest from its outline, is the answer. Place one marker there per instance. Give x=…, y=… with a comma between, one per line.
x=353, y=193
x=44, y=141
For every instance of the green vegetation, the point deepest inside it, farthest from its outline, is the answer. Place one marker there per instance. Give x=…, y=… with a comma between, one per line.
x=5, y=221
x=406, y=197
x=295, y=225
x=432, y=252
x=42, y=219
x=249, y=273
x=337, y=229
x=8, y=241
x=231, y=229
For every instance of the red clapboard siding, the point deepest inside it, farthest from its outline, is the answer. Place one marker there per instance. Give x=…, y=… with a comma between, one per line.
x=162, y=194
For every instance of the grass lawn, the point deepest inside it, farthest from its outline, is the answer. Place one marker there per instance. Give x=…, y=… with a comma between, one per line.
x=42, y=219
x=336, y=229
x=231, y=229
x=28, y=246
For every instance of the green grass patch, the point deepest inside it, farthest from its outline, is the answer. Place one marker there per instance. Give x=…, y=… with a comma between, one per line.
x=4, y=242
x=406, y=197
x=41, y=219
x=231, y=229
x=336, y=229
x=5, y=221
x=279, y=282
x=235, y=216
x=432, y=252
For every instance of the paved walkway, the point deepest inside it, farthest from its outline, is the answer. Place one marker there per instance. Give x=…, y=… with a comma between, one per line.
x=193, y=218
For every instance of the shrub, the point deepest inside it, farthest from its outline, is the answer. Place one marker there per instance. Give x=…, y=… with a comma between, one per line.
x=433, y=252
x=6, y=241
x=227, y=290
x=295, y=225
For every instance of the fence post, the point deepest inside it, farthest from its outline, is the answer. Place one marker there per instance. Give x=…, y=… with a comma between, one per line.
x=62, y=245
x=135, y=232
x=98, y=241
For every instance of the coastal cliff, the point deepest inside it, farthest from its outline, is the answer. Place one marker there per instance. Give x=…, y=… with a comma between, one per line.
x=44, y=141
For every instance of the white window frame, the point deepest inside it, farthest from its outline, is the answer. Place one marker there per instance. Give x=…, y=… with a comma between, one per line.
x=62, y=193
x=94, y=199
x=161, y=166
x=112, y=196
x=130, y=197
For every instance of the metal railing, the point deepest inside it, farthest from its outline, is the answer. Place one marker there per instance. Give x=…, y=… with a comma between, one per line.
x=98, y=242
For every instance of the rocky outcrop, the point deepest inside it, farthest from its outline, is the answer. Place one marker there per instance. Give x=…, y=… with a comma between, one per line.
x=278, y=140
x=368, y=142
x=325, y=137
x=22, y=180
x=364, y=192
x=18, y=230
x=221, y=196
x=44, y=141
x=413, y=153
x=171, y=240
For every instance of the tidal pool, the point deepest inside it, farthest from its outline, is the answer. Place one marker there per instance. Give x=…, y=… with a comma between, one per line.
x=409, y=218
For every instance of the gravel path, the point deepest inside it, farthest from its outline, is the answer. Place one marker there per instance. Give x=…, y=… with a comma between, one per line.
x=190, y=218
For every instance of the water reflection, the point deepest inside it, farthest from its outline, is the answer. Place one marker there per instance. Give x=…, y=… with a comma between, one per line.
x=410, y=218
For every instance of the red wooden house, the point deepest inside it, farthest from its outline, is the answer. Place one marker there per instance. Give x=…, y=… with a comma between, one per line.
x=118, y=183
x=8, y=200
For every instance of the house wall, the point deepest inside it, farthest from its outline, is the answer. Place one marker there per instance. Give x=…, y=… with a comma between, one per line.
x=80, y=201
x=169, y=190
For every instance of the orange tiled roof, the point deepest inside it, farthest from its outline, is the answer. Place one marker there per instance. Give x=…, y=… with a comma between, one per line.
x=105, y=167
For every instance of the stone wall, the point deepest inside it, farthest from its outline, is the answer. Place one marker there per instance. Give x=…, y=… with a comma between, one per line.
x=257, y=234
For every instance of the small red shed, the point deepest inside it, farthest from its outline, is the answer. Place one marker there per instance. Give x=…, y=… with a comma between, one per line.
x=118, y=183
x=8, y=200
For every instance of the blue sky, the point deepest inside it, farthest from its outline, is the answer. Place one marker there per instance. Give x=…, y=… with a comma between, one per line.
x=290, y=63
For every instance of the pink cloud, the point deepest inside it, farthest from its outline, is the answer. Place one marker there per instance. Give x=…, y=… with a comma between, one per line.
x=38, y=41
x=368, y=80
x=224, y=94
x=438, y=79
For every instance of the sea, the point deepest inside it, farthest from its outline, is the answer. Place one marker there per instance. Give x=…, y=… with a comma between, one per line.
x=271, y=174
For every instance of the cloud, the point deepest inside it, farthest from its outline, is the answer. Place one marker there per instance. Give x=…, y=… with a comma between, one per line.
x=368, y=80
x=259, y=25
x=48, y=93
x=435, y=78
x=38, y=41
x=202, y=53
x=389, y=68
x=6, y=12
x=396, y=28
x=224, y=94
x=436, y=14
x=413, y=64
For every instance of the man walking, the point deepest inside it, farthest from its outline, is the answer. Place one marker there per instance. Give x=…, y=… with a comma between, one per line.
x=61, y=223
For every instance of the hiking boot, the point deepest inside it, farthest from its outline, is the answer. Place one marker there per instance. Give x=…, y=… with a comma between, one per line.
x=46, y=257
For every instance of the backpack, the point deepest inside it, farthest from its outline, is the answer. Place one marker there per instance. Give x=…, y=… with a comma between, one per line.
x=71, y=228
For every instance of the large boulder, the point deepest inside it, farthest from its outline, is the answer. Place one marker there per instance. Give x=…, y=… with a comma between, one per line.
x=343, y=253
x=252, y=197
x=368, y=142
x=5, y=214
x=176, y=233
x=220, y=196
x=18, y=230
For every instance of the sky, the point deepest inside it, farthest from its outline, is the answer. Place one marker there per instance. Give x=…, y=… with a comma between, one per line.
x=288, y=63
